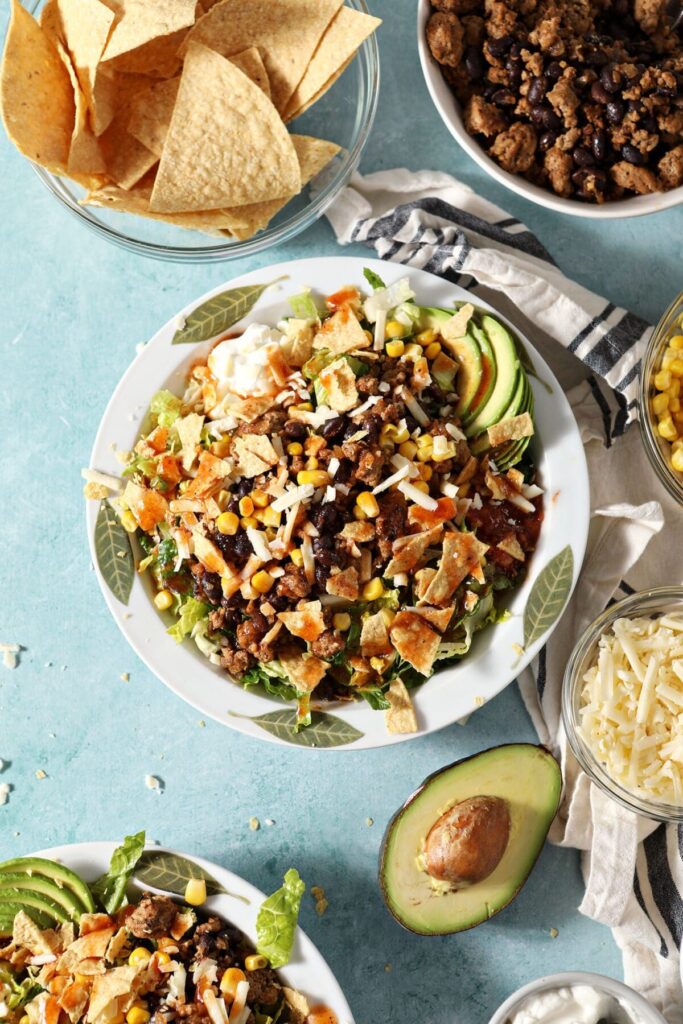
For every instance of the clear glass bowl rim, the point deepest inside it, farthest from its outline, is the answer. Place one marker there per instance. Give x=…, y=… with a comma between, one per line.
x=643, y=602
x=367, y=101
x=653, y=451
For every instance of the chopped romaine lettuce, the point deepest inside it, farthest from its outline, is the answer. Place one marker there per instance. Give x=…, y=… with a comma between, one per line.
x=375, y=698
x=20, y=992
x=304, y=307
x=192, y=611
x=373, y=279
x=166, y=407
x=386, y=299
x=110, y=890
x=272, y=676
x=277, y=919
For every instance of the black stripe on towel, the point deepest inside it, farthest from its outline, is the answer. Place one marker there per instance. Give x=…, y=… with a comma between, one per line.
x=637, y=892
x=664, y=890
x=604, y=409
x=614, y=345
x=541, y=674
x=592, y=326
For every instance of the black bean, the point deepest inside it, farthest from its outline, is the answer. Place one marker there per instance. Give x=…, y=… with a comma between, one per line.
x=554, y=69
x=516, y=51
x=609, y=79
x=614, y=111
x=503, y=98
x=333, y=430
x=475, y=63
x=599, y=144
x=582, y=157
x=649, y=123
x=599, y=94
x=537, y=113
x=547, y=141
x=499, y=47
x=537, y=90
x=552, y=121
x=294, y=431
x=632, y=155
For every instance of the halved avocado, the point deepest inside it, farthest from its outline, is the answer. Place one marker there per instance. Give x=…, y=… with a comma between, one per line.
x=509, y=368
x=448, y=860
x=75, y=894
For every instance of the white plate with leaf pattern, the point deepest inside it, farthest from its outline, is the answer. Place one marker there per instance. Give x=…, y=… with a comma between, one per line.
x=498, y=653
x=229, y=896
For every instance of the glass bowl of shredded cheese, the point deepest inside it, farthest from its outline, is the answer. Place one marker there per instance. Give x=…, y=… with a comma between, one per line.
x=661, y=399
x=622, y=702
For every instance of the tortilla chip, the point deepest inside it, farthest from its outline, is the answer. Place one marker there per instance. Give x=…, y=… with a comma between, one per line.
x=74, y=998
x=210, y=476
x=511, y=546
x=407, y=552
x=358, y=532
x=456, y=327
x=461, y=557
x=158, y=58
x=226, y=145
x=189, y=431
x=374, y=637
x=254, y=454
x=306, y=621
x=337, y=48
x=421, y=581
x=250, y=62
x=339, y=382
x=50, y=21
x=341, y=333
x=437, y=617
x=415, y=641
x=139, y=21
x=251, y=408
x=445, y=510
x=298, y=345
x=513, y=429
x=36, y=94
x=304, y=670
x=107, y=988
x=86, y=25
x=94, y=923
x=26, y=932
x=298, y=1004
x=94, y=944
x=287, y=33
x=116, y=944
x=85, y=155
x=400, y=717
x=344, y=584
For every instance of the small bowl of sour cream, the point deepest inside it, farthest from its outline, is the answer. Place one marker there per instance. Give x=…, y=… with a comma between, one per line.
x=576, y=997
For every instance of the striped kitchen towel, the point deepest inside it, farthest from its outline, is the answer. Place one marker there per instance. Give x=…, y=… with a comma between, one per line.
x=633, y=868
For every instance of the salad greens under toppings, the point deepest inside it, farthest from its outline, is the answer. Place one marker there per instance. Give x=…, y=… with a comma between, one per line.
x=83, y=951
x=334, y=506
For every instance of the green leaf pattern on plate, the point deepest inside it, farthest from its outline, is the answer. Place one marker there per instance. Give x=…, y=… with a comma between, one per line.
x=324, y=731
x=548, y=596
x=114, y=552
x=171, y=872
x=218, y=314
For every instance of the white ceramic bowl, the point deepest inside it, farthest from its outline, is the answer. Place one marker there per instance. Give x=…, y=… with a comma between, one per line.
x=451, y=115
x=643, y=1011
x=497, y=654
x=236, y=901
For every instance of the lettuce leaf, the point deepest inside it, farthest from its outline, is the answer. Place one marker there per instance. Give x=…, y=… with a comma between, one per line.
x=373, y=279
x=166, y=407
x=192, y=611
x=272, y=677
x=110, y=890
x=277, y=920
x=20, y=992
x=304, y=307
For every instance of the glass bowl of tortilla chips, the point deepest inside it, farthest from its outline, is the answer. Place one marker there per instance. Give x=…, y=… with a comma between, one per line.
x=192, y=130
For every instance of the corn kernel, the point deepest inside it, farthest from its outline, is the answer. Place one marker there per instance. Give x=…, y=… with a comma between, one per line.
x=305, y=407
x=425, y=441
x=676, y=342
x=139, y=956
x=312, y=463
x=395, y=349
x=421, y=485
x=231, y=980
x=426, y=471
x=262, y=581
x=24, y=1019
x=249, y=521
x=297, y=557
x=433, y=350
x=255, y=962
x=195, y=892
x=662, y=380
x=341, y=621
x=317, y=477
x=677, y=368
x=674, y=405
x=137, y=1015
x=163, y=600
x=394, y=330
x=677, y=461
x=295, y=448
x=223, y=499
x=408, y=449
x=369, y=335
x=246, y=506
x=228, y=523
x=401, y=435
x=128, y=521
x=368, y=503
x=388, y=614
x=427, y=337
x=373, y=590
x=660, y=403
x=387, y=434
x=667, y=359
x=667, y=429
x=674, y=388
x=221, y=448
x=358, y=513
x=271, y=518
x=413, y=352
x=162, y=958
x=260, y=499
x=424, y=454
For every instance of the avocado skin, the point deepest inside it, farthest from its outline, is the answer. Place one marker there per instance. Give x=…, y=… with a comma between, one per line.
x=416, y=795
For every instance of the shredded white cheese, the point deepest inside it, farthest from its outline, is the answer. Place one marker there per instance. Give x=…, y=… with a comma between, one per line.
x=93, y=476
x=400, y=474
x=631, y=714
x=425, y=501
x=259, y=543
x=303, y=492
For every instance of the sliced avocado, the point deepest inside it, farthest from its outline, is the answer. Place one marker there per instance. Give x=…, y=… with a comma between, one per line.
x=20, y=899
x=509, y=369
x=489, y=374
x=62, y=898
x=63, y=878
x=465, y=349
x=9, y=911
x=526, y=779
x=482, y=444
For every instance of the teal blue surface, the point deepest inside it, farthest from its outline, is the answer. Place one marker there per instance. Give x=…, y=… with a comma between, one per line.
x=73, y=308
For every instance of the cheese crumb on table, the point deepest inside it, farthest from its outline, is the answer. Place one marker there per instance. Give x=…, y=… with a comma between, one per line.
x=4, y=793
x=254, y=824
x=9, y=654
x=152, y=782
x=40, y=774
x=321, y=902
x=631, y=714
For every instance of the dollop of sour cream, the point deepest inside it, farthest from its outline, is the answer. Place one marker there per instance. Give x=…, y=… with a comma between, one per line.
x=574, y=1004
x=240, y=366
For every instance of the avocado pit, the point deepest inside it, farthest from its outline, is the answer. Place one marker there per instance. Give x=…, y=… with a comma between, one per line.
x=466, y=844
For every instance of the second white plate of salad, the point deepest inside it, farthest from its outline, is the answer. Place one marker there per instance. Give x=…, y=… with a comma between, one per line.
x=337, y=503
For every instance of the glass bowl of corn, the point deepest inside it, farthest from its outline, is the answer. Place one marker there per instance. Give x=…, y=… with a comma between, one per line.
x=661, y=399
